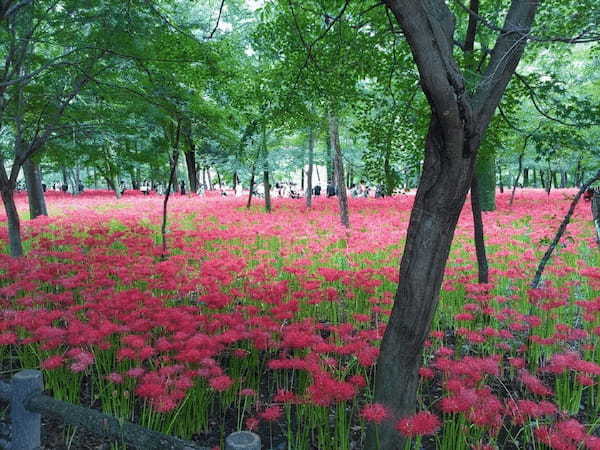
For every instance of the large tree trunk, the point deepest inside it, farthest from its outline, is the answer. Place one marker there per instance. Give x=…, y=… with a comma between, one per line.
x=15, y=246
x=485, y=171
x=482, y=262
x=309, y=173
x=439, y=200
x=338, y=164
x=35, y=191
x=459, y=121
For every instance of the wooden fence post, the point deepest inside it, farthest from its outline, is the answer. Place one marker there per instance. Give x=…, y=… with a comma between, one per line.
x=242, y=440
x=26, y=425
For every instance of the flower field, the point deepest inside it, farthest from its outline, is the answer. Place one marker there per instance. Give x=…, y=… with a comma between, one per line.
x=271, y=322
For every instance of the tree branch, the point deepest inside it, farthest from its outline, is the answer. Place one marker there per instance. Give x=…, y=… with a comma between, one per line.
x=212, y=33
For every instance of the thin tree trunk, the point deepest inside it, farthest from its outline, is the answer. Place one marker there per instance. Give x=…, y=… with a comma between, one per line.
x=577, y=177
x=15, y=245
x=535, y=178
x=234, y=181
x=516, y=183
x=500, y=183
x=35, y=191
x=309, y=173
x=251, y=193
x=561, y=230
x=267, y=190
x=596, y=214
x=482, y=262
x=486, y=173
x=219, y=179
x=328, y=160
x=525, y=177
x=163, y=229
x=266, y=183
x=338, y=164
x=210, y=184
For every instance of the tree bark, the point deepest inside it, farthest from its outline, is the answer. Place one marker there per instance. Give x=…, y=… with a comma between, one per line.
x=210, y=184
x=15, y=246
x=251, y=193
x=458, y=123
x=525, y=177
x=190, y=162
x=35, y=191
x=266, y=183
x=267, y=190
x=328, y=160
x=516, y=182
x=482, y=262
x=485, y=170
x=309, y=173
x=172, y=179
x=338, y=167
x=596, y=214
x=500, y=182
x=439, y=200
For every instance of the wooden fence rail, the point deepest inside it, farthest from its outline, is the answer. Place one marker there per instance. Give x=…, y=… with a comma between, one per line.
x=28, y=404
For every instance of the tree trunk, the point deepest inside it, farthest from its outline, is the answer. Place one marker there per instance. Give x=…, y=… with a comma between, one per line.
x=267, y=190
x=554, y=179
x=458, y=123
x=309, y=173
x=543, y=180
x=15, y=246
x=328, y=160
x=535, y=178
x=563, y=179
x=482, y=262
x=251, y=193
x=338, y=164
x=525, y=177
x=210, y=184
x=439, y=200
x=577, y=177
x=500, y=183
x=516, y=182
x=172, y=179
x=190, y=162
x=234, y=181
x=485, y=171
x=596, y=214
x=219, y=179
x=35, y=191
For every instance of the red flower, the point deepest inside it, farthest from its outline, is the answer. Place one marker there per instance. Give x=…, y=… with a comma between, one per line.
x=374, y=412
x=420, y=424
x=272, y=413
x=221, y=383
